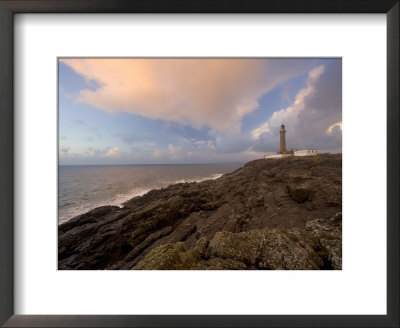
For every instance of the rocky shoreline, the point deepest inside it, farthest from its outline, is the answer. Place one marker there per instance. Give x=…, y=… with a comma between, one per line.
x=273, y=214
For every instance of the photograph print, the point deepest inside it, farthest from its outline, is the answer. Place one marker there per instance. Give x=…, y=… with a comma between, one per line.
x=199, y=163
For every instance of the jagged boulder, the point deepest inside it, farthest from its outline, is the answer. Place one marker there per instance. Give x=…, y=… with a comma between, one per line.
x=174, y=256
x=265, y=249
x=199, y=251
x=167, y=257
x=286, y=251
x=327, y=239
x=300, y=193
x=243, y=247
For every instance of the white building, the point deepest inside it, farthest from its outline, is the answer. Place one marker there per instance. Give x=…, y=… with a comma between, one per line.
x=284, y=153
x=277, y=156
x=307, y=152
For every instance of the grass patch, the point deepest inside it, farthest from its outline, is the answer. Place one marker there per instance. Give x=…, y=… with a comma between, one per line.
x=293, y=238
x=329, y=237
x=315, y=243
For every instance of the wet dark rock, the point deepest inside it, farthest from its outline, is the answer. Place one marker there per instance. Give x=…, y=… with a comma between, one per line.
x=300, y=194
x=269, y=214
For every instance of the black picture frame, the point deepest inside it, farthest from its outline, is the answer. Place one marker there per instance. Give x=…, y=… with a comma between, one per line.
x=10, y=7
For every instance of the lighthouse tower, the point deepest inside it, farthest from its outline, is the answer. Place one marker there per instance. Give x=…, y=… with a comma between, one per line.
x=283, y=140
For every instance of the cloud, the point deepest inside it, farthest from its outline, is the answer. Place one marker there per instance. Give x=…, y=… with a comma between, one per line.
x=184, y=148
x=174, y=151
x=158, y=153
x=289, y=115
x=314, y=118
x=196, y=92
x=87, y=128
x=92, y=155
x=114, y=152
x=185, y=151
x=128, y=138
x=329, y=131
x=211, y=145
x=260, y=130
x=212, y=93
x=232, y=142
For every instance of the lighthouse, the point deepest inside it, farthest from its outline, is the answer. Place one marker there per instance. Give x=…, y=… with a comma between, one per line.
x=283, y=140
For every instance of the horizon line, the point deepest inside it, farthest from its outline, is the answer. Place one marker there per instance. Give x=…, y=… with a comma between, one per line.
x=237, y=162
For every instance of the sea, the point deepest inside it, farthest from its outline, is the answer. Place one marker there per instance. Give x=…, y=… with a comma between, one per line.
x=83, y=188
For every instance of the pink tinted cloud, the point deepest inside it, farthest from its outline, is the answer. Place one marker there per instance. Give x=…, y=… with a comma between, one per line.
x=197, y=92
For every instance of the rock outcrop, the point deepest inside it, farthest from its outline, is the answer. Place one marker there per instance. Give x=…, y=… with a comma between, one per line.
x=274, y=214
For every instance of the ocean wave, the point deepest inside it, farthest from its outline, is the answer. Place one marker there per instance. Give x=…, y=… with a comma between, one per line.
x=117, y=200
x=120, y=199
x=210, y=177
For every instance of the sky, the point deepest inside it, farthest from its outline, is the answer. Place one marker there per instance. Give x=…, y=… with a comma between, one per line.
x=195, y=110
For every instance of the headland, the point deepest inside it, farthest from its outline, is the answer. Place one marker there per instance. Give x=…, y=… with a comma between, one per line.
x=274, y=214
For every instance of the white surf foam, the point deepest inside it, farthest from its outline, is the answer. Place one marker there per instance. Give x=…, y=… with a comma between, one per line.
x=120, y=199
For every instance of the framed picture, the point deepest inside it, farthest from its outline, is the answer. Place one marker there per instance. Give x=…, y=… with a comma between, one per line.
x=173, y=171
x=186, y=169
